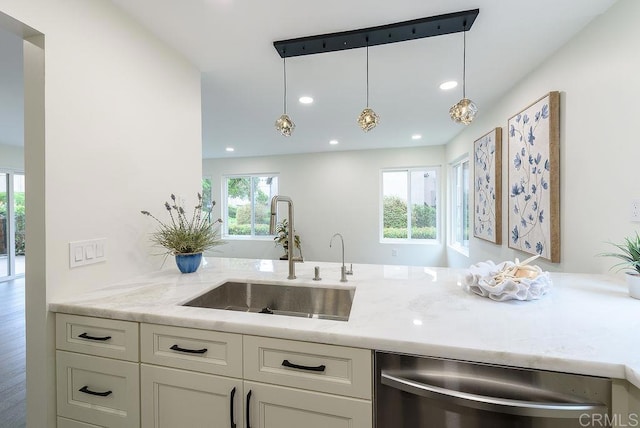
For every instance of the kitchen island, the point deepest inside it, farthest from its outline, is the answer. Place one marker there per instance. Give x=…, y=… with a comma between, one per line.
x=586, y=324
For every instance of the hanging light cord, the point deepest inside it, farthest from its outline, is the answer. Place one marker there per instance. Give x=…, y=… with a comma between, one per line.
x=367, y=72
x=284, y=60
x=464, y=63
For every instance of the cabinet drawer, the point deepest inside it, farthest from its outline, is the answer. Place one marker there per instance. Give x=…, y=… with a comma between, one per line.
x=98, y=390
x=70, y=423
x=325, y=368
x=97, y=336
x=192, y=349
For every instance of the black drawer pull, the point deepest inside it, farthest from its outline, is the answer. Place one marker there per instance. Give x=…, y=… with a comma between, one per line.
x=249, y=409
x=86, y=390
x=232, y=417
x=319, y=368
x=188, y=351
x=101, y=339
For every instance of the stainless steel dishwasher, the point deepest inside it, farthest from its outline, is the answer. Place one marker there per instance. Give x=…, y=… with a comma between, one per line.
x=421, y=392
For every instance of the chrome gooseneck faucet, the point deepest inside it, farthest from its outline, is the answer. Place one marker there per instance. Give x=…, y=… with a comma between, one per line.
x=343, y=269
x=290, y=231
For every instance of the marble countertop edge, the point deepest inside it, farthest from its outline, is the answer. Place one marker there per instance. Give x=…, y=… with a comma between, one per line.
x=580, y=344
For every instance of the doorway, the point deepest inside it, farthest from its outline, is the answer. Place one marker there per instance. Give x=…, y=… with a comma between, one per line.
x=29, y=293
x=12, y=225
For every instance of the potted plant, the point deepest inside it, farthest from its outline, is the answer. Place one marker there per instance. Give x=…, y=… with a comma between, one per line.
x=630, y=256
x=282, y=238
x=186, y=237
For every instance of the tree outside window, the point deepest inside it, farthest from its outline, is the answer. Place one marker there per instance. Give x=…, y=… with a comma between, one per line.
x=410, y=204
x=247, y=208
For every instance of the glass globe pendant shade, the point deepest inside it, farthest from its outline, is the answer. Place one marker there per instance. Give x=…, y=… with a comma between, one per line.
x=285, y=125
x=464, y=111
x=368, y=119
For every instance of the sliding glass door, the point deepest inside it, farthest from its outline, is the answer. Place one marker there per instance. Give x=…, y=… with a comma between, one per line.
x=4, y=225
x=12, y=225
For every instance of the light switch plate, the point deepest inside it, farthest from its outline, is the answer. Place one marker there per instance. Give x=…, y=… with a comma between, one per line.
x=87, y=252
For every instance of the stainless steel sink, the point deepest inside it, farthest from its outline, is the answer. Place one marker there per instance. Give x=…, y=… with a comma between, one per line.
x=274, y=299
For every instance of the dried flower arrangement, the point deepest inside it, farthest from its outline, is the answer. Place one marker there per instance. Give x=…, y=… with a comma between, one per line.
x=185, y=235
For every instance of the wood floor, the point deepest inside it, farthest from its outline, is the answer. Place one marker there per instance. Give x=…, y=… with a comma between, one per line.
x=12, y=355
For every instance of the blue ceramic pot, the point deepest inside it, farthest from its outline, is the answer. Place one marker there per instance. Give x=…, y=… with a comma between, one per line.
x=188, y=263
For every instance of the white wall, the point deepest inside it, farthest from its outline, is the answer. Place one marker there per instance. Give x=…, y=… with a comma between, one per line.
x=123, y=131
x=11, y=157
x=332, y=192
x=11, y=90
x=596, y=73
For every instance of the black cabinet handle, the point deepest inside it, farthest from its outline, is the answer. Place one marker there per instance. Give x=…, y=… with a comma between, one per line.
x=188, y=351
x=232, y=417
x=248, y=409
x=86, y=390
x=101, y=339
x=319, y=368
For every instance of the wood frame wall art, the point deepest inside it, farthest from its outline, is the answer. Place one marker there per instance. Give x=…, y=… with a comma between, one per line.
x=534, y=178
x=487, y=187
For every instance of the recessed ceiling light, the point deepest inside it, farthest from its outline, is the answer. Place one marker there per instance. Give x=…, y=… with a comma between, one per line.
x=448, y=85
x=230, y=149
x=333, y=142
x=416, y=136
x=305, y=100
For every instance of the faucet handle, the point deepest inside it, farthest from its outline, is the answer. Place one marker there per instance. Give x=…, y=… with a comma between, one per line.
x=350, y=271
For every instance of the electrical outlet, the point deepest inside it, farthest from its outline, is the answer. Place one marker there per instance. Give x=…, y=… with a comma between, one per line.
x=635, y=210
x=394, y=252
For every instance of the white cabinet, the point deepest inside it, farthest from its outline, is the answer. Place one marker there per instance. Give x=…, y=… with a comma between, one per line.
x=192, y=349
x=626, y=403
x=180, y=378
x=113, y=373
x=93, y=390
x=324, y=368
x=70, y=423
x=179, y=398
x=300, y=384
x=201, y=378
x=97, y=336
x=271, y=406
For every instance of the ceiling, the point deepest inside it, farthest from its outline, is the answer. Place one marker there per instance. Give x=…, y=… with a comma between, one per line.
x=231, y=42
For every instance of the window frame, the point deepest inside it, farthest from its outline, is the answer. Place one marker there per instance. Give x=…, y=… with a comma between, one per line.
x=409, y=239
x=225, y=208
x=457, y=206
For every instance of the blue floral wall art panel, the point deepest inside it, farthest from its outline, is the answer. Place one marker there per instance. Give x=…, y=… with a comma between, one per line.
x=534, y=178
x=487, y=187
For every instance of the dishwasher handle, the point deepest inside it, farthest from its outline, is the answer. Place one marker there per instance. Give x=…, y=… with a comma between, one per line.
x=494, y=404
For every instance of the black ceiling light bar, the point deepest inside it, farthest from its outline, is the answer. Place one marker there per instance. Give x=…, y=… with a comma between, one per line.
x=380, y=35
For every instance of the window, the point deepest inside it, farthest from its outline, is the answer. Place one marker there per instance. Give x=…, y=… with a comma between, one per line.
x=206, y=197
x=410, y=204
x=247, y=204
x=460, y=204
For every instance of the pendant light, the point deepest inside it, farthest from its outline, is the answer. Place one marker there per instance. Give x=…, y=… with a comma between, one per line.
x=284, y=124
x=464, y=111
x=368, y=119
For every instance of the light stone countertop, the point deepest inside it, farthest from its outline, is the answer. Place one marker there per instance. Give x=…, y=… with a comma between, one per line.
x=587, y=323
